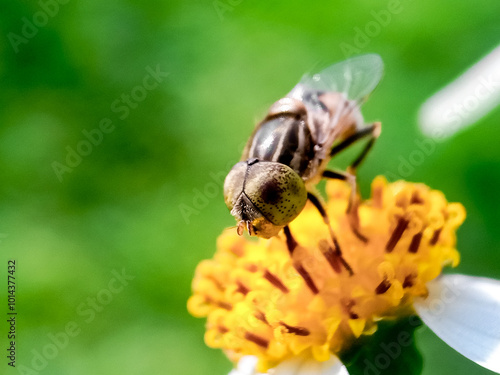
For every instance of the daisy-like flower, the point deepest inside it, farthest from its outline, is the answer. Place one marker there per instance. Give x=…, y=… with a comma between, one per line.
x=295, y=306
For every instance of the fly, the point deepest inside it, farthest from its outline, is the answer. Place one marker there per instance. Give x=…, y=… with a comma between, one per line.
x=289, y=150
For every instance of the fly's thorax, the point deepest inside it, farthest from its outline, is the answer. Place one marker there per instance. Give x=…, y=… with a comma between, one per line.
x=264, y=195
x=284, y=138
x=288, y=106
x=284, y=106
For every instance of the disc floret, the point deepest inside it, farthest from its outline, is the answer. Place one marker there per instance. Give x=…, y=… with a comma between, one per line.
x=260, y=299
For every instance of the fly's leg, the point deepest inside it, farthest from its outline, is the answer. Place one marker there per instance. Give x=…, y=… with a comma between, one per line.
x=352, y=206
x=348, y=177
x=314, y=200
x=333, y=255
x=292, y=245
x=372, y=132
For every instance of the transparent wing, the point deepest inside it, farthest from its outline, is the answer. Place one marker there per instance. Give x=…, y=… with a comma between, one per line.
x=356, y=77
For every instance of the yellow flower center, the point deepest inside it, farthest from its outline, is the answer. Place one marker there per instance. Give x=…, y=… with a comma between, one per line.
x=262, y=299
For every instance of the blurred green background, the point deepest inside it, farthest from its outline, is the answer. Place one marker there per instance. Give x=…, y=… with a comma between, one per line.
x=145, y=199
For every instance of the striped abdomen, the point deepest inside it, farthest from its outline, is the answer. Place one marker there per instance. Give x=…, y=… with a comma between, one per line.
x=285, y=139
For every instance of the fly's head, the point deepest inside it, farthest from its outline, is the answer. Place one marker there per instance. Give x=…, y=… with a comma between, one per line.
x=263, y=196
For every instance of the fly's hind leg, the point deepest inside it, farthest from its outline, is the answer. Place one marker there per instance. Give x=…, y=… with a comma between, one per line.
x=352, y=206
x=348, y=177
x=376, y=128
x=333, y=255
x=372, y=132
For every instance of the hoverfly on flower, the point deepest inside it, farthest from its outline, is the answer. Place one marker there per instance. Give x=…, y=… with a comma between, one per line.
x=298, y=304
x=289, y=150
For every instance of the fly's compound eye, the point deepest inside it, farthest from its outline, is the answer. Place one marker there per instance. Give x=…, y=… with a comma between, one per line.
x=276, y=190
x=264, y=196
x=233, y=184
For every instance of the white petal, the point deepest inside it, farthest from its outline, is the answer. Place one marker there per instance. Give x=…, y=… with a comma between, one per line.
x=294, y=366
x=464, y=311
x=288, y=367
x=333, y=366
x=246, y=366
x=301, y=366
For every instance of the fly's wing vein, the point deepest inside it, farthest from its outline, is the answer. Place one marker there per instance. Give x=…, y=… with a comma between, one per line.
x=354, y=79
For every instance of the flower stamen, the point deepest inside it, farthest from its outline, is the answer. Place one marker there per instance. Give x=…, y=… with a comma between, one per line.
x=216, y=282
x=435, y=236
x=415, y=242
x=299, y=331
x=224, y=305
x=307, y=277
x=221, y=304
x=383, y=286
x=222, y=329
x=257, y=339
x=348, y=305
x=260, y=316
x=396, y=234
x=409, y=281
x=275, y=281
x=242, y=288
